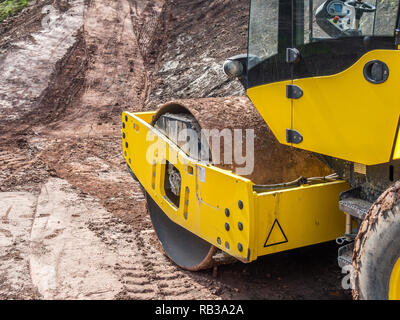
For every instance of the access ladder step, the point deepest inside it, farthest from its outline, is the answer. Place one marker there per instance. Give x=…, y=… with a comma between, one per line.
x=345, y=255
x=351, y=203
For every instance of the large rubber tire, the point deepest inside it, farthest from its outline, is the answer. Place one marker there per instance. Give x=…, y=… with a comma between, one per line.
x=377, y=247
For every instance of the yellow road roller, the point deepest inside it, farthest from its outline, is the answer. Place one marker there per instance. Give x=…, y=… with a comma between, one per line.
x=310, y=155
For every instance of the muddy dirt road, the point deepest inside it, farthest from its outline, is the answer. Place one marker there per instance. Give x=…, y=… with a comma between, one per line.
x=73, y=223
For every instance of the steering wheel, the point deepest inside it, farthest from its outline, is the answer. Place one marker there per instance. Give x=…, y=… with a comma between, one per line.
x=361, y=6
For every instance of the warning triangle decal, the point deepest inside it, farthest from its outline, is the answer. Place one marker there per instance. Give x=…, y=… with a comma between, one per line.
x=275, y=235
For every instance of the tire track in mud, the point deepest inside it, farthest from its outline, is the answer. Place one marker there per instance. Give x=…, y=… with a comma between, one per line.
x=11, y=165
x=136, y=276
x=116, y=74
x=15, y=161
x=12, y=161
x=16, y=216
x=144, y=271
x=20, y=84
x=172, y=282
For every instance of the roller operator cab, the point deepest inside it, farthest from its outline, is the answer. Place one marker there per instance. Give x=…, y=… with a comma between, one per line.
x=335, y=60
x=324, y=77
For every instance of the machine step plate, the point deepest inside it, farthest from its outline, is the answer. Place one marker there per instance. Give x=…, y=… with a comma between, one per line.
x=351, y=202
x=355, y=207
x=345, y=255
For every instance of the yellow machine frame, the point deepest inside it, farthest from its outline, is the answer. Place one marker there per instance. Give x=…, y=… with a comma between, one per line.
x=360, y=128
x=258, y=223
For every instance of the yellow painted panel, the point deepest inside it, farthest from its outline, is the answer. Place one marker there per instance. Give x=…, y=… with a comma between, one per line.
x=146, y=116
x=272, y=104
x=394, y=284
x=307, y=215
x=147, y=152
x=299, y=217
x=396, y=152
x=347, y=117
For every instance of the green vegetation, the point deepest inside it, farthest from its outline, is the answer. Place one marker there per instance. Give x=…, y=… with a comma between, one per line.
x=11, y=7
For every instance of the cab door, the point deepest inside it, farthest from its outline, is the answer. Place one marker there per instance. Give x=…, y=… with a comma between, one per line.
x=268, y=73
x=350, y=102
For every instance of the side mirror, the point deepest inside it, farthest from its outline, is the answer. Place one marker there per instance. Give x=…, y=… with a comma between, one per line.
x=233, y=68
x=236, y=66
